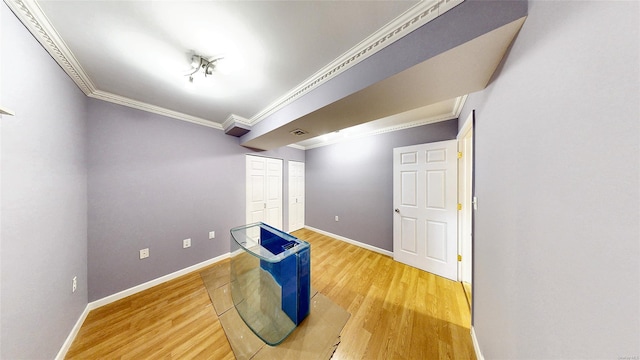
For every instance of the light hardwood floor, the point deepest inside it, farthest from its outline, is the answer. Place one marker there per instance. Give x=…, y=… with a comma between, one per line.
x=397, y=312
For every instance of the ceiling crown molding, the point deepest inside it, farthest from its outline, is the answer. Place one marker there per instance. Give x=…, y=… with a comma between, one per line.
x=125, y=101
x=418, y=15
x=233, y=118
x=32, y=16
x=34, y=19
x=453, y=114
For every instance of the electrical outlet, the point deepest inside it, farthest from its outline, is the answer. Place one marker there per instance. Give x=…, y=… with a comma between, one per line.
x=144, y=253
x=74, y=284
x=212, y=234
x=186, y=243
x=337, y=218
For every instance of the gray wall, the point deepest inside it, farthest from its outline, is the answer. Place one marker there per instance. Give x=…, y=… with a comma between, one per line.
x=154, y=181
x=354, y=180
x=557, y=160
x=44, y=198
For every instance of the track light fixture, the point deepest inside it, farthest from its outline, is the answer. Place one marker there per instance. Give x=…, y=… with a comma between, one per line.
x=200, y=63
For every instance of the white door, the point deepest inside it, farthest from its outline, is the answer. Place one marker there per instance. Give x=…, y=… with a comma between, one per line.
x=264, y=190
x=425, y=203
x=296, y=195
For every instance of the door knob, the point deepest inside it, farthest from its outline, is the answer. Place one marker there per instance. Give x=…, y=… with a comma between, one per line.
x=397, y=210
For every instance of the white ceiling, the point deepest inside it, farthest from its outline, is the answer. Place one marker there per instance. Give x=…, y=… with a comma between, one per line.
x=137, y=53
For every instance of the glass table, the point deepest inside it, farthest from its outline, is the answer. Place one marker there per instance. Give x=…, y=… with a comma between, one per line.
x=270, y=280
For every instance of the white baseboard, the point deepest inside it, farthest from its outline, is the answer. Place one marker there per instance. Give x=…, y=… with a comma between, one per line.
x=72, y=335
x=123, y=294
x=476, y=346
x=149, y=284
x=350, y=241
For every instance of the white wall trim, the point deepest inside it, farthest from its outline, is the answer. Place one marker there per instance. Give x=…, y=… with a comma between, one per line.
x=34, y=19
x=72, y=335
x=403, y=126
x=352, y=242
x=233, y=118
x=454, y=114
x=149, y=284
x=5, y=111
x=296, y=146
x=466, y=126
x=476, y=346
x=135, y=104
x=122, y=294
x=460, y=101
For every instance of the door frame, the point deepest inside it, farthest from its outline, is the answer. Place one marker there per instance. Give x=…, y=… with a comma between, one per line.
x=469, y=125
x=465, y=177
x=291, y=196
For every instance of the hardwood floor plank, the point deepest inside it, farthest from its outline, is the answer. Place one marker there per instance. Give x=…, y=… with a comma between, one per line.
x=397, y=312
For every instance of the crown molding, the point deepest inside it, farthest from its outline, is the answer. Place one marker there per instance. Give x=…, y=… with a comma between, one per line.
x=34, y=19
x=233, y=118
x=454, y=114
x=236, y=125
x=417, y=16
x=125, y=101
x=296, y=146
x=5, y=111
x=383, y=130
x=457, y=107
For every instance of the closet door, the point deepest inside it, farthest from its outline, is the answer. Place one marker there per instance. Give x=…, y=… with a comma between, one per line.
x=264, y=190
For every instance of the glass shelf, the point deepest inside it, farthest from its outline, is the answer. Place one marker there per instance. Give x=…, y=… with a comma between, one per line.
x=270, y=280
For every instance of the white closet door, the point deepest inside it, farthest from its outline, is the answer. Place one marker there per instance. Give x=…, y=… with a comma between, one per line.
x=264, y=190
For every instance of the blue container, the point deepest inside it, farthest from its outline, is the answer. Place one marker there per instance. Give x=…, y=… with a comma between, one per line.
x=270, y=280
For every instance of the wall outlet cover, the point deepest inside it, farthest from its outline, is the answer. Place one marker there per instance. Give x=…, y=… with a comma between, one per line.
x=212, y=234
x=144, y=253
x=186, y=243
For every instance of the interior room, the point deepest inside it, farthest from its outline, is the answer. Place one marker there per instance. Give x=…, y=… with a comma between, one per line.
x=126, y=157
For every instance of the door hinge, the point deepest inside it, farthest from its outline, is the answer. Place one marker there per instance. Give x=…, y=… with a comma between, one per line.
x=459, y=257
x=265, y=205
x=459, y=206
x=459, y=154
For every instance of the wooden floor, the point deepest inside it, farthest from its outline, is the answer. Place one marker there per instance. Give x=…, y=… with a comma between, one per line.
x=397, y=312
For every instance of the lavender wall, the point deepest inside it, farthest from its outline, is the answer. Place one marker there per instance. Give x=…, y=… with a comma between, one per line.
x=44, y=198
x=154, y=181
x=557, y=177
x=354, y=180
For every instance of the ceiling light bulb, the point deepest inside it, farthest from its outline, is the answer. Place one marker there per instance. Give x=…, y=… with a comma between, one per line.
x=208, y=70
x=196, y=61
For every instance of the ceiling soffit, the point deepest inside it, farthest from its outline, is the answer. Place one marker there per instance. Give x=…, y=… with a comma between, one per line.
x=32, y=16
x=430, y=69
